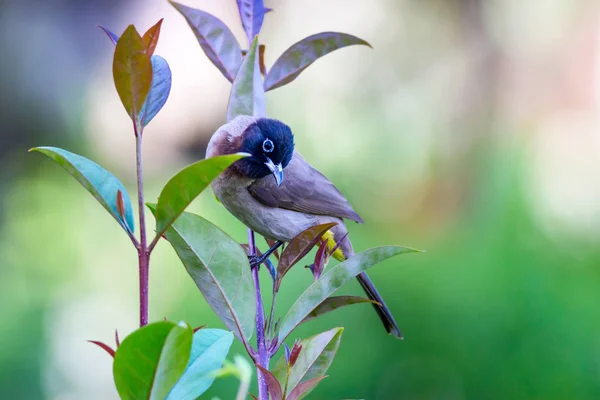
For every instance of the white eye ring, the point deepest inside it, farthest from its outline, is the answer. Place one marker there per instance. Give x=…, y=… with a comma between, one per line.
x=268, y=146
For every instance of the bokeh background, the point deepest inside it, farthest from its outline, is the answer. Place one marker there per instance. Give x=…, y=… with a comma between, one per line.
x=471, y=130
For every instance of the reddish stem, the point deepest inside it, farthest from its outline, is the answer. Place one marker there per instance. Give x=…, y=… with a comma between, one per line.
x=143, y=253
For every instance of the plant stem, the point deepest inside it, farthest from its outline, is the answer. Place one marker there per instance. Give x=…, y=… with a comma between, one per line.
x=263, y=357
x=143, y=254
x=272, y=312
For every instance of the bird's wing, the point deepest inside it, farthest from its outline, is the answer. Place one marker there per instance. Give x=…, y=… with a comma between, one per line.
x=304, y=189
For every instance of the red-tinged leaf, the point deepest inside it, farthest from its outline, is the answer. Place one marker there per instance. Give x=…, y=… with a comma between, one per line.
x=132, y=71
x=273, y=384
x=335, y=302
x=252, y=14
x=104, y=347
x=261, y=59
x=215, y=39
x=318, y=353
x=247, y=95
x=298, y=247
x=304, y=387
x=151, y=37
x=295, y=353
x=117, y=341
x=120, y=204
x=320, y=259
x=272, y=243
x=300, y=55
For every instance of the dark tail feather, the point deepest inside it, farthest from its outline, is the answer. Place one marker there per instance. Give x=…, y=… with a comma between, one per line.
x=384, y=313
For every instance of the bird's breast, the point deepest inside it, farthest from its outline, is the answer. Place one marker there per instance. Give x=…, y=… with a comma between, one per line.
x=271, y=222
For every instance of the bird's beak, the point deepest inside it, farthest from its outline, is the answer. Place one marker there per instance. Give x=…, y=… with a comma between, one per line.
x=276, y=170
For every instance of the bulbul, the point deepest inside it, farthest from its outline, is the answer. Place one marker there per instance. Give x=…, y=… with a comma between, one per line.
x=277, y=194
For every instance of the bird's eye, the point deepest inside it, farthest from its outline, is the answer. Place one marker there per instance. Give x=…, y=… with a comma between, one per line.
x=268, y=146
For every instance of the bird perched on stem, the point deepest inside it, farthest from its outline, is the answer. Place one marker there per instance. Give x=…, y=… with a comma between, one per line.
x=277, y=194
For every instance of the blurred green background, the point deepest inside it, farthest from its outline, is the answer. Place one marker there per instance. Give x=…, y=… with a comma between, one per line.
x=471, y=130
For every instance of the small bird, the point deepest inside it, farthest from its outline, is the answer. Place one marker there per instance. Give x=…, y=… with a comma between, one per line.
x=277, y=194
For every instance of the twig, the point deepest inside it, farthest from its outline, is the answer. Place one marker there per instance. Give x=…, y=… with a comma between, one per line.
x=143, y=254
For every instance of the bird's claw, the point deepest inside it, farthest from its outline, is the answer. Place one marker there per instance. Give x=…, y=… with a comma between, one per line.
x=254, y=261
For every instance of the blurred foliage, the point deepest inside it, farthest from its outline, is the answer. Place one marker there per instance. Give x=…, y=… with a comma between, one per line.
x=502, y=306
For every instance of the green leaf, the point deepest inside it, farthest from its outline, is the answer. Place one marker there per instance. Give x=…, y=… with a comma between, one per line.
x=317, y=354
x=132, y=71
x=300, y=55
x=331, y=281
x=241, y=369
x=298, y=247
x=333, y=303
x=186, y=185
x=219, y=267
x=247, y=95
x=215, y=38
x=150, y=360
x=103, y=185
x=209, y=350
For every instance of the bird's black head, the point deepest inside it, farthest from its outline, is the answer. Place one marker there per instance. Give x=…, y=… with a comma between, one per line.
x=271, y=144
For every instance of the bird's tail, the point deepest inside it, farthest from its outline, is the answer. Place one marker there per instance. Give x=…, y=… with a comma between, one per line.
x=382, y=310
x=344, y=251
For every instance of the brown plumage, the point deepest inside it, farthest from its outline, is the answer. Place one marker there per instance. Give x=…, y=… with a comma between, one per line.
x=276, y=208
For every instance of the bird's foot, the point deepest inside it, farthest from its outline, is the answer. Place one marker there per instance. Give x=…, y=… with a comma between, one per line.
x=255, y=262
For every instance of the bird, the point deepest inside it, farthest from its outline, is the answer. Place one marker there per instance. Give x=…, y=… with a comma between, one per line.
x=275, y=192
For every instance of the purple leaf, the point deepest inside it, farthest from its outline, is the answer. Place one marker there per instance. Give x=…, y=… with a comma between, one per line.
x=252, y=14
x=273, y=384
x=247, y=94
x=113, y=38
x=304, y=387
x=104, y=347
x=333, y=303
x=300, y=55
x=287, y=353
x=159, y=91
x=215, y=38
x=298, y=247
